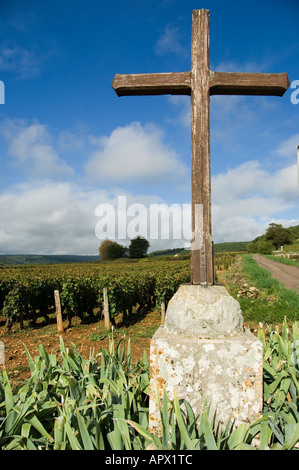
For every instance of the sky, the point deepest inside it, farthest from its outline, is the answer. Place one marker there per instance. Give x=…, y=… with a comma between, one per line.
x=77, y=162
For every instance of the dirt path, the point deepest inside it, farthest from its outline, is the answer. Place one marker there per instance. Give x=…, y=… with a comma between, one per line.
x=286, y=275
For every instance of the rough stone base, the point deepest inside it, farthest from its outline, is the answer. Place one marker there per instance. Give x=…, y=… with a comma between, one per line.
x=224, y=372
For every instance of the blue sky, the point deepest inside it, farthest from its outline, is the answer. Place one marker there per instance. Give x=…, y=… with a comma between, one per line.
x=68, y=144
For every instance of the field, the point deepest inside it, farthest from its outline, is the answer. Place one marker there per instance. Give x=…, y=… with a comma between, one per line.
x=136, y=290
x=88, y=387
x=27, y=292
x=70, y=402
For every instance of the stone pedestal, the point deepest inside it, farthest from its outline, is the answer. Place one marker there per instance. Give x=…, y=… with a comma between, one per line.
x=205, y=355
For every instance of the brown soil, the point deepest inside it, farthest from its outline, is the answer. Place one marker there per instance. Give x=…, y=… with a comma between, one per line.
x=86, y=337
x=285, y=274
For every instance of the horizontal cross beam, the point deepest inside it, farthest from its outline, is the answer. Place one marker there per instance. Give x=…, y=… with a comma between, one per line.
x=220, y=83
x=152, y=84
x=230, y=83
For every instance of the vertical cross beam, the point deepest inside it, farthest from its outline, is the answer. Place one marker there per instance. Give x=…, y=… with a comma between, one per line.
x=201, y=244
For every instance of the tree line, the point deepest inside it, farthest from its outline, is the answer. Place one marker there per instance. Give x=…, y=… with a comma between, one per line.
x=275, y=237
x=110, y=250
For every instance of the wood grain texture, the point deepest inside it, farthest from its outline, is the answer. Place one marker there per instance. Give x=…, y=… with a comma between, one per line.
x=201, y=256
x=267, y=84
x=152, y=84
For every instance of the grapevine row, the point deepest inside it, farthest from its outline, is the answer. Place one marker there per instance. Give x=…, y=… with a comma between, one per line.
x=27, y=293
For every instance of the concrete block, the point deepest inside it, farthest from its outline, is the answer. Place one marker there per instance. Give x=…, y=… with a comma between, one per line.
x=206, y=312
x=223, y=369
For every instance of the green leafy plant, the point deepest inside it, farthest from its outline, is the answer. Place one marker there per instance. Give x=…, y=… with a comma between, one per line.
x=70, y=402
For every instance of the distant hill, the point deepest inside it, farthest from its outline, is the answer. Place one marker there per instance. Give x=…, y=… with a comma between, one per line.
x=218, y=248
x=45, y=259
x=53, y=259
x=230, y=247
x=174, y=251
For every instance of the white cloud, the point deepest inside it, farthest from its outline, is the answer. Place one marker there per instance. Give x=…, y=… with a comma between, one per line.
x=248, y=197
x=285, y=183
x=25, y=63
x=48, y=218
x=137, y=153
x=61, y=218
x=250, y=180
x=288, y=148
x=170, y=41
x=30, y=145
x=182, y=103
x=246, y=67
x=238, y=182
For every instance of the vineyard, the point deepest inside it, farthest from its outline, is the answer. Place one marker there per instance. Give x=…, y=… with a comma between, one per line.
x=27, y=292
x=65, y=400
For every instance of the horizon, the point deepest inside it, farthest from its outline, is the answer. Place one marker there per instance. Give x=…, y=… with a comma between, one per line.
x=68, y=144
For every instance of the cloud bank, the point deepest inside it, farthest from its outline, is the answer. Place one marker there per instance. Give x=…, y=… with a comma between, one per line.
x=52, y=208
x=134, y=153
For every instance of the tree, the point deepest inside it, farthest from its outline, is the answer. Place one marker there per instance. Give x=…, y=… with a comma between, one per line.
x=261, y=246
x=138, y=247
x=265, y=247
x=111, y=250
x=252, y=247
x=278, y=235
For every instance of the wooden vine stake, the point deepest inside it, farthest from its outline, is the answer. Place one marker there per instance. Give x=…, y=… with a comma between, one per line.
x=58, y=311
x=162, y=313
x=106, y=309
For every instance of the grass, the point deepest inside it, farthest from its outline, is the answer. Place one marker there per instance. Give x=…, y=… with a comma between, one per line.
x=274, y=302
x=288, y=261
x=135, y=332
x=128, y=328
x=293, y=247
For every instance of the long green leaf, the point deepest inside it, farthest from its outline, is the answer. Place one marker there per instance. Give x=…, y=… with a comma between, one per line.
x=151, y=438
x=237, y=438
x=39, y=427
x=183, y=430
x=30, y=360
x=165, y=421
x=59, y=433
x=265, y=435
x=87, y=443
x=291, y=436
x=74, y=443
x=9, y=398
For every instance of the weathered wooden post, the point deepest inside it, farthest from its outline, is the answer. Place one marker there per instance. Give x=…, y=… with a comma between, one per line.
x=106, y=309
x=203, y=352
x=58, y=311
x=2, y=353
x=162, y=312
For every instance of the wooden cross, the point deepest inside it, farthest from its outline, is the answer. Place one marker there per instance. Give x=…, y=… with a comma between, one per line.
x=200, y=83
